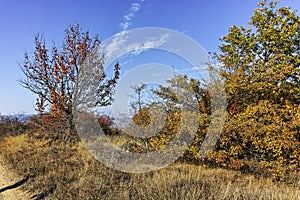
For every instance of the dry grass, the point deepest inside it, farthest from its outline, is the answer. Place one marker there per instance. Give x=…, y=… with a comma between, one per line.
x=61, y=168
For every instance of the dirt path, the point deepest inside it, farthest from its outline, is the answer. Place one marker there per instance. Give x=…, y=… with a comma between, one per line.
x=11, y=185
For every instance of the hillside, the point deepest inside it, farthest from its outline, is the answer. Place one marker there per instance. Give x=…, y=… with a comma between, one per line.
x=60, y=170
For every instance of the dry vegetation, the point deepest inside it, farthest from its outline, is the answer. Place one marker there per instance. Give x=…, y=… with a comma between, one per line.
x=59, y=167
x=260, y=137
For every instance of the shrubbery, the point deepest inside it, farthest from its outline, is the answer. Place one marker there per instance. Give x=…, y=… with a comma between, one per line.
x=260, y=67
x=12, y=126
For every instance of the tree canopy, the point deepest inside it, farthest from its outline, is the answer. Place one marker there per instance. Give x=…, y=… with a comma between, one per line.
x=260, y=66
x=55, y=75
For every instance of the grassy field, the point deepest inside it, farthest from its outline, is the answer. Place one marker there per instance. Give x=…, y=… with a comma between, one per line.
x=59, y=167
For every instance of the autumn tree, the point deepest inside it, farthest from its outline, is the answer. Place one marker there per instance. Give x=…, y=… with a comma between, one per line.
x=60, y=76
x=182, y=106
x=182, y=90
x=260, y=66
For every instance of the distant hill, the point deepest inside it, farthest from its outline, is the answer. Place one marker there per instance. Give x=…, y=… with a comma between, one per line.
x=23, y=118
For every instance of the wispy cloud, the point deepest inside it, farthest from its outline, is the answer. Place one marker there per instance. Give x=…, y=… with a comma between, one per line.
x=120, y=43
x=154, y=42
x=130, y=14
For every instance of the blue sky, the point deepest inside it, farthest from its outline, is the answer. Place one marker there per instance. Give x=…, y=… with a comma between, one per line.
x=204, y=21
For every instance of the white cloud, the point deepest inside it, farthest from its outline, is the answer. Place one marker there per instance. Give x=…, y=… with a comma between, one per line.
x=124, y=25
x=115, y=45
x=130, y=13
x=128, y=17
x=135, y=7
x=154, y=42
x=120, y=45
x=189, y=69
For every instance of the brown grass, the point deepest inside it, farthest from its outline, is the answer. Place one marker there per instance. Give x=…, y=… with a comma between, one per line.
x=61, y=168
